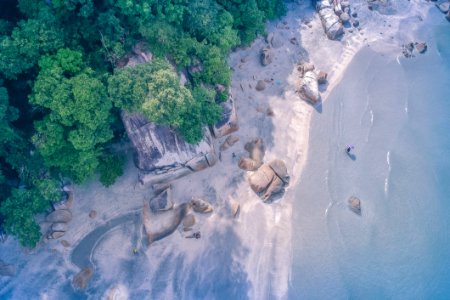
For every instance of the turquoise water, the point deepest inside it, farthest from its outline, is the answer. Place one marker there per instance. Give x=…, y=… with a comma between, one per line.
x=397, y=114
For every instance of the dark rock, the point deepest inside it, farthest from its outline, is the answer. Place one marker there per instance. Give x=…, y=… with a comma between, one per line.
x=355, y=23
x=201, y=206
x=81, y=280
x=322, y=77
x=421, y=47
x=260, y=85
x=270, y=112
x=293, y=41
x=162, y=202
x=7, y=269
x=228, y=122
x=354, y=14
x=92, y=214
x=266, y=56
x=355, y=205
x=59, y=216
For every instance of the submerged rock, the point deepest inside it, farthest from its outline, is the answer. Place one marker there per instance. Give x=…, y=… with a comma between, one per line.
x=355, y=205
x=7, y=269
x=162, y=201
x=201, y=206
x=59, y=216
x=81, y=280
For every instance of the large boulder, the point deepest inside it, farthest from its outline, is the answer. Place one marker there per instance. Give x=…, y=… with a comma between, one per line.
x=309, y=87
x=81, y=280
x=330, y=21
x=256, y=149
x=229, y=142
x=59, y=216
x=266, y=56
x=201, y=206
x=162, y=201
x=248, y=164
x=228, y=122
x=269, y=179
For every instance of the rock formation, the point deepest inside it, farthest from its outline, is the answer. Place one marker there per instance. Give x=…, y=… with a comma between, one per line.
x=256, y=151
x=309, y=87
x=162, y=201
x=269, y=179
x=330, y=20
x=228, y=123
x=229, y=142
x=81, y=280
x=355, y=205
x=266, y=56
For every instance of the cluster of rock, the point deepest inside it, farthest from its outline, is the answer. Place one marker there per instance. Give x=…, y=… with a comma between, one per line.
x=183, y=214
x=268, y=179
x=333, y=15
x=57, y=221
x=310, y=80
x=409, y=49
x=444, y=7
x=160, y=153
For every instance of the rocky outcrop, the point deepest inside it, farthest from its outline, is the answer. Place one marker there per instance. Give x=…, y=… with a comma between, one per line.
x=355, y=205
x=330, y=20
x=228, y=122
x=266, y=56
x=81, y=280
x=161, y=155
x=162, y=201
x=229, y=142
x=421, y=47
x=269, y=179
x=256, y=151
x=200, y=206
x=309, y=87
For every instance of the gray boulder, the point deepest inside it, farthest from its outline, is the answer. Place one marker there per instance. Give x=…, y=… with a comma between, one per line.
x=201, y=206
x=59, y=216
x=269, y=179
x=56, y=234
x=355, y=205
x=421, y=47
x=162, y=202
x=266, y=56
x=309, y=87
x=260, y=85
x=59, y=227
x=276, y=40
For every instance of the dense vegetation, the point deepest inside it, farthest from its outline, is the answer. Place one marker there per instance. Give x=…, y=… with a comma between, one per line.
x=62, y=88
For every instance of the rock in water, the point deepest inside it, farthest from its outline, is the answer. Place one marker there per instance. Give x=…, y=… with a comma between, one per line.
x=421, y=47
x=201, y=206
x=162, y=201
x=229, y=142
x=260, y=85
x=309, y=87
x=355, y=205
x=444, y=7
x=188, y=222
x=266, y=56
x=7, y=269
x=59, y=216
x=81, y=280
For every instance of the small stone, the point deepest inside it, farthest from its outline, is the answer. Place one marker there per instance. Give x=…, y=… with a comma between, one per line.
x=56, y=234
x=293, y=41
x=92, y=214
x=65, y=243
x=201, y=206
x=269, y=112
x=260, y=85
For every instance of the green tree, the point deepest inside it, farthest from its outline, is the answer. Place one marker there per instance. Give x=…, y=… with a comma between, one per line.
x=110, y=168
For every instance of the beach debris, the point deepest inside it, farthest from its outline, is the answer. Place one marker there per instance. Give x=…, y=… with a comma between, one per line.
x=162, y=201
x=93, y=214
x=7, y=269
x=355, y=205
x=260, y=85
x=188, y=222
x=200, y=206
x=81, y=280
x=229, y=142
x=266, y=56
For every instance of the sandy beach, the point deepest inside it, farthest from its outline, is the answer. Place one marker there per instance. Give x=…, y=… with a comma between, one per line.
x=258, y=243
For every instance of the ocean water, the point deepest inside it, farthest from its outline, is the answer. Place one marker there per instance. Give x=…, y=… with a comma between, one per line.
x=396, y=112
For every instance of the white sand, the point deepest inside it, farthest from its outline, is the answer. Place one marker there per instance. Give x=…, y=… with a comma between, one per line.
x=263, y=230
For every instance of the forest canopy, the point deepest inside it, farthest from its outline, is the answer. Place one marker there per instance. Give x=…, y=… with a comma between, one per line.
x=62, y=86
